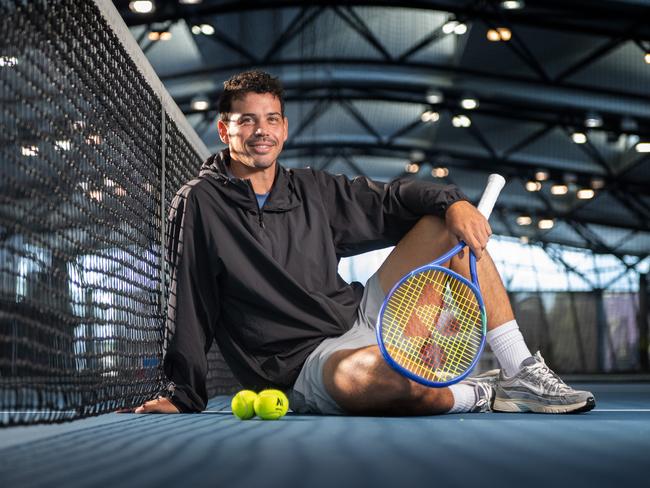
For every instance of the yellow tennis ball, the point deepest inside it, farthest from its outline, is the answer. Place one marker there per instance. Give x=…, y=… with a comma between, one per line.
x=243, y=404
x=271, y=404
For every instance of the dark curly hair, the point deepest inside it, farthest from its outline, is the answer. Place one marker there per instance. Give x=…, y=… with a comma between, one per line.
x=240, y=84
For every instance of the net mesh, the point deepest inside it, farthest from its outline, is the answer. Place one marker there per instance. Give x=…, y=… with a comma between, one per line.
x=81, y=169
x=432, y=325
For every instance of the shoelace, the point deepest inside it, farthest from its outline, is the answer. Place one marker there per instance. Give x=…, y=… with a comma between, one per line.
x=548, y=378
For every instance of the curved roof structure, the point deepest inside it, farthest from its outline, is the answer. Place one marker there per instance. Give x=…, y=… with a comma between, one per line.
x=555, y=95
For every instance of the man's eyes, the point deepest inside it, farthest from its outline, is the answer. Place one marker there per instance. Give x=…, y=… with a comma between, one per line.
x=251, y=121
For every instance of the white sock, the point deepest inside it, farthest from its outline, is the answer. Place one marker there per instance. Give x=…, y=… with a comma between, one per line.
x=508, y=346
x=464, y=398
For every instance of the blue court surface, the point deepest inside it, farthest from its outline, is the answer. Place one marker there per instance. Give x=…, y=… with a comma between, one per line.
x=609, y=446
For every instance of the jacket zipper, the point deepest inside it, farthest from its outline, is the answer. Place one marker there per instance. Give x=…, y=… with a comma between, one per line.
x=259, y=210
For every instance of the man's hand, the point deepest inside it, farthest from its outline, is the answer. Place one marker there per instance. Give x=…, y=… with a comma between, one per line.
x=468, y=224
x=159, y=405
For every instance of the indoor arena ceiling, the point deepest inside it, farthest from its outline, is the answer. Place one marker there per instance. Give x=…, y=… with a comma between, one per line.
x=555, y=95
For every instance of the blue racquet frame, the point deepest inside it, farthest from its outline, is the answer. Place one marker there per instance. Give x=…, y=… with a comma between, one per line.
x=472, y=285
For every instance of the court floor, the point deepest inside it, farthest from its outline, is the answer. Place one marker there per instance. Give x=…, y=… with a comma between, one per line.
x=609, y=446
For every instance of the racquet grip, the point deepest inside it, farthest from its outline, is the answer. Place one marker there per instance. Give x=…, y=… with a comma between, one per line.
x=494, y=186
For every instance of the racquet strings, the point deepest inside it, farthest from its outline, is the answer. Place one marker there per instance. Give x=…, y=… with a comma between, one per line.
x=433, y=325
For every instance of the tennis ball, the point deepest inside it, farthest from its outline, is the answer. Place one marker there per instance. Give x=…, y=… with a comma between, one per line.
x=242, y=404
x=271, y=404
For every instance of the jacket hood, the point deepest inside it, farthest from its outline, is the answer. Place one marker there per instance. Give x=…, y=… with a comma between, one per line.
x=283, y=195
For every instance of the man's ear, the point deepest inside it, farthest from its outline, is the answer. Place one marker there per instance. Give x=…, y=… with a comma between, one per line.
x=222, y=128
x=286, y=129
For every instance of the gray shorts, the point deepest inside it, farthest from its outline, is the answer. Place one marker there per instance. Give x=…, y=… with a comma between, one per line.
x=308, y=394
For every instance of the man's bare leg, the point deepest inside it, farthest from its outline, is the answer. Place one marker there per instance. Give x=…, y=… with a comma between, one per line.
x=360, y=381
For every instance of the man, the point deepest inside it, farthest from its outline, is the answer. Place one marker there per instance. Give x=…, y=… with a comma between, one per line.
x=254, y=249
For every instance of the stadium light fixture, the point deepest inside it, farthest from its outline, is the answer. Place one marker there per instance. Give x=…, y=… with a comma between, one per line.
x=559, y=189
x=439, y=172
x=435, y=96
x=533, y=185
x=545, y=224
x=512, y=4
x=142, y=6
x=200, y=102
x=593, y=120
x=585, y=193
x=430, y=116
x=579, y=137
x=461, y=121
x=524, y=220
x=469, y=103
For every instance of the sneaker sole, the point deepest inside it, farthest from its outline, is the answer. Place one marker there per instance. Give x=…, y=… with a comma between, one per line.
x=511, y=406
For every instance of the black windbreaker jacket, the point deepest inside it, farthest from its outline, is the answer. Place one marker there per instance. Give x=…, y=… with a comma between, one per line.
x=264, y=282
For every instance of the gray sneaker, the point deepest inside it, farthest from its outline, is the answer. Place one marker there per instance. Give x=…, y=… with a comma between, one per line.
x=484, y=388
x=536, y=388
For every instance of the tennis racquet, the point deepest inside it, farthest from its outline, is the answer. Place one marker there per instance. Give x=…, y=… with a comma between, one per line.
x=432, y=325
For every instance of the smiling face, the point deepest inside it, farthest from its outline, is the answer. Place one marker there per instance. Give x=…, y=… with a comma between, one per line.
x=255, y=130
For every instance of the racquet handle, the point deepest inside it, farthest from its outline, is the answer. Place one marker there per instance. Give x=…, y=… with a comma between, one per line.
x=494, y=186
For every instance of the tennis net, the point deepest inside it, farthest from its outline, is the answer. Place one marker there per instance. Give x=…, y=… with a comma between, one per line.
x=92, y=150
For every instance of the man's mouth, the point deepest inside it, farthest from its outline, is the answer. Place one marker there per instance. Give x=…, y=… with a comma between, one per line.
x=261, y=147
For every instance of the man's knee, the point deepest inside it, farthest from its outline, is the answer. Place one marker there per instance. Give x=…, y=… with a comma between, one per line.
x=352, y=370
x=351, y=377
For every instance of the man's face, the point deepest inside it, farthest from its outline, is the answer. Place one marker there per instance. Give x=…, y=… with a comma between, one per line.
x=256, y=130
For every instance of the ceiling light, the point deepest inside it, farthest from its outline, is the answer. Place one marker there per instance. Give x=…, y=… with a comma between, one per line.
x=430, y=116
x=541, y=175
x=165, y=36
x=469, y=103
x=460, y=29
x=493, y=35
x=579, y=137
x=524, y=220
x=207, y=29
x=434, y=96
x=412, y=168
x=449, y=27
x=200, y=102
x=512, y=4
x=455, y=27
x=646, y=58
x=142, y=6
x=439, y=172
x=504, y=33
x=196, y=30
x=189, y=2
x=533, y=185
x=642, y=147
x=461, y=121
x=585, y=193
x=559, y=189
x=593, y=120
x=153, y=36
x=545, y=224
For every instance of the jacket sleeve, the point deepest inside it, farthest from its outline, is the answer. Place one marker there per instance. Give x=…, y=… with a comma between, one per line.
x=193, y=303
x=366, y=214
